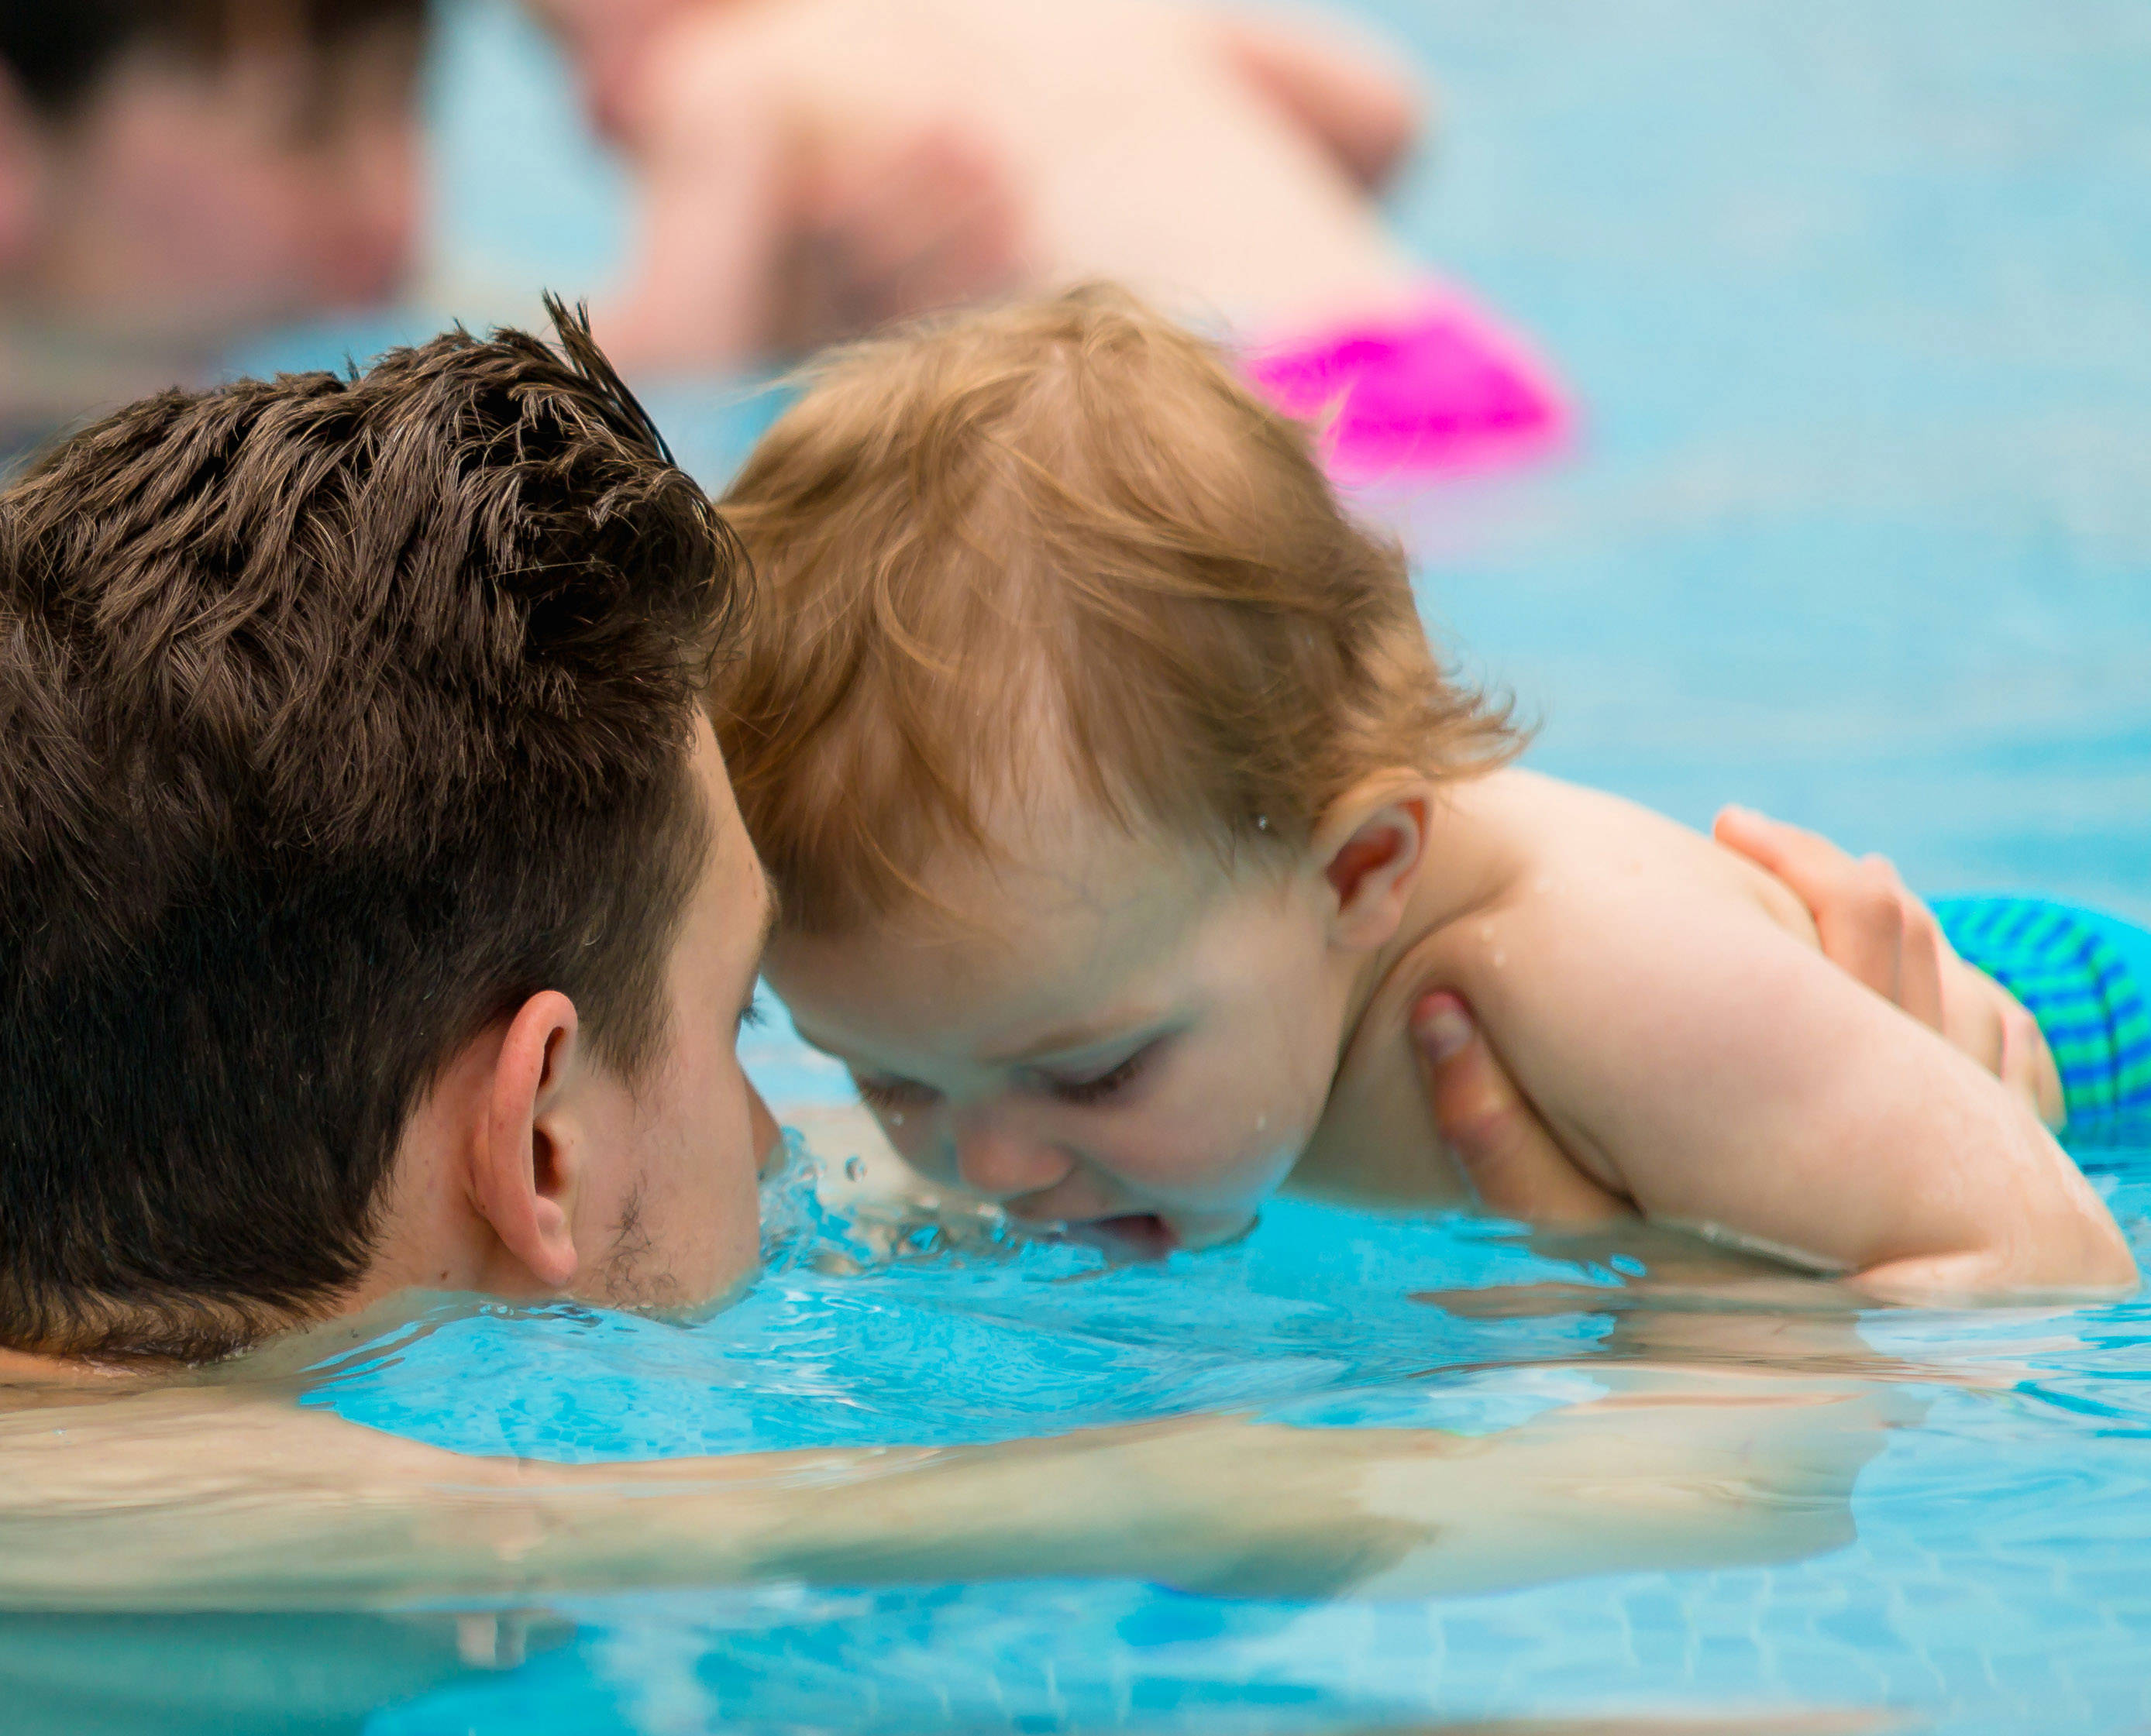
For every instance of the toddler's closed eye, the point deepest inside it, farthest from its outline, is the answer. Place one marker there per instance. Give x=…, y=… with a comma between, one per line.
x=892, y=1094
x=1104, y=1085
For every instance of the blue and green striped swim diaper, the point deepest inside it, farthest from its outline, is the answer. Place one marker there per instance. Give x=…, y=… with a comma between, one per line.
x=2085, y=976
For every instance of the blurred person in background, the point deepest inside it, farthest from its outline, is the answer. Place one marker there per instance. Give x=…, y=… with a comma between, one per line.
x=1104, y=140
x=175, y=173
x=765, y=250
x=1225, y=167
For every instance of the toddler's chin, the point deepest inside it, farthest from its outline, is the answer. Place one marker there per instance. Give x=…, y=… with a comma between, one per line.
x=1214, y=1229
x=1134, y=1237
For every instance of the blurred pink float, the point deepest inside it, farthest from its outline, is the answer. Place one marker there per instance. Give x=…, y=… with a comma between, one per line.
x=1448, y=388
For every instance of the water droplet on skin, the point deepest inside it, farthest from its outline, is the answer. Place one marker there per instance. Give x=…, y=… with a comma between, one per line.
x=1261, y=822
x=1261, y=1122
x=855, y=1169
x=896, y=1117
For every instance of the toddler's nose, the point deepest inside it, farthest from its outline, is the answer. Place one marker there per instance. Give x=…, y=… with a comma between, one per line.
x=1005, y=1163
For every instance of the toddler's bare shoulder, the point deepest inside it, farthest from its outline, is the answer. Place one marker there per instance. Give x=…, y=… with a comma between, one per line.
x=1585, y=848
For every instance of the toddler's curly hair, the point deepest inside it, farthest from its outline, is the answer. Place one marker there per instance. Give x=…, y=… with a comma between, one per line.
x=1063, y=525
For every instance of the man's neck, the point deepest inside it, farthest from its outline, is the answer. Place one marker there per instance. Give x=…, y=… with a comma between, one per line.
x=288, y=1358
x=30, y=1369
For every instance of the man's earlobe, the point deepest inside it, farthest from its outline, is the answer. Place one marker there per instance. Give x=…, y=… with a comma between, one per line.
x=527, y=1173
x=1373, y=845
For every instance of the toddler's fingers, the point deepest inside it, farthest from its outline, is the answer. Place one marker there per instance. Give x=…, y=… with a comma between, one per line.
x=1516, y=1166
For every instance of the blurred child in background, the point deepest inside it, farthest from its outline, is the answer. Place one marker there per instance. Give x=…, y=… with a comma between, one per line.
x=174, y=173
x=945, y=149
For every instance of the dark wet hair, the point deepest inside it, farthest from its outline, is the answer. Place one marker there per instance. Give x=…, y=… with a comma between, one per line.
x=343, y=714
x=60, y=50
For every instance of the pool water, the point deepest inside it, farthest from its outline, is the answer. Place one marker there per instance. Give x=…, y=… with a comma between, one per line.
x=1859, y=299
x=1996, y=1581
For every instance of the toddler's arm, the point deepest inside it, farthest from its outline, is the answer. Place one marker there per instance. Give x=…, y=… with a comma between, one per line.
x=1874, y=928
x=1869, y=926
x=1698, y=1060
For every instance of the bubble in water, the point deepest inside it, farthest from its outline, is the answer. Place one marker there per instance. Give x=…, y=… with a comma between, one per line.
x=801, y=1234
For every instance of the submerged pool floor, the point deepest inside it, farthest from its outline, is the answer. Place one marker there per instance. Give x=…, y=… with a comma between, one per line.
x=1859, y=298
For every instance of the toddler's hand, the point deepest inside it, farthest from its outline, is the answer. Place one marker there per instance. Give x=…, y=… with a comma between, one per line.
x=1877, y=930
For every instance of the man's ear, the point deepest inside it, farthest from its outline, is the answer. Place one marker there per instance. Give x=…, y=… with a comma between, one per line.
x=525, y=1173
x=1371, y=846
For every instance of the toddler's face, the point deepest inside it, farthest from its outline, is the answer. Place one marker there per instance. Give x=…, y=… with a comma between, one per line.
x=1115, y=1035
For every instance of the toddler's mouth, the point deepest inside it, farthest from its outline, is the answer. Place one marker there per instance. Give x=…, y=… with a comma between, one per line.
x=1132, y=1236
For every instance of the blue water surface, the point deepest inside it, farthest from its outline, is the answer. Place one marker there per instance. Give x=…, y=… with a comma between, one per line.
x=1997, y=1581
x=1310, y=1320
x=1858, y=299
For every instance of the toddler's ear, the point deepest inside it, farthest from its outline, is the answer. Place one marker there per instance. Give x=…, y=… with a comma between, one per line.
x=1371, y=845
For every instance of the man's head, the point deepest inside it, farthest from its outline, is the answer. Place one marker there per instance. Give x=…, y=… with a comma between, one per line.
x=1090, y=747
x=373, y=909
x=172, y=171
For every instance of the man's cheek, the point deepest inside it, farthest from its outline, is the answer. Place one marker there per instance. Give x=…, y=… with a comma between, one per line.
x=766, y=1138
